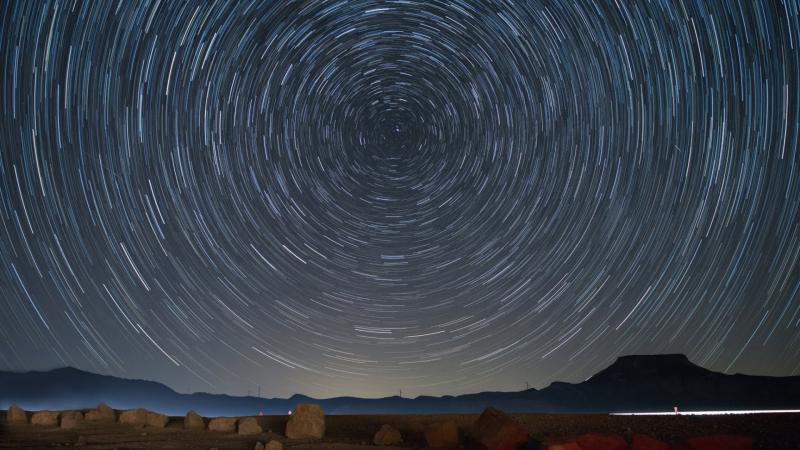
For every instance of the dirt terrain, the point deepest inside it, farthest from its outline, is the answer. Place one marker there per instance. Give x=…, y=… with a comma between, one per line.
x=769, y=431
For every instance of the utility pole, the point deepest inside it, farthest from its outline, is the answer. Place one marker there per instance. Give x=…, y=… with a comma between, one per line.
x=259, y=391
x=527, y=386
x=401, y=393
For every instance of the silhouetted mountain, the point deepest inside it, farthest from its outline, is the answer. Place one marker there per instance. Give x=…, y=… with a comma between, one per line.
x=631, y=384
x=659, y=382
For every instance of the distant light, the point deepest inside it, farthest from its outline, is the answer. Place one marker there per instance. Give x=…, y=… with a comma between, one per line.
x=709, y=413
x=290, y=413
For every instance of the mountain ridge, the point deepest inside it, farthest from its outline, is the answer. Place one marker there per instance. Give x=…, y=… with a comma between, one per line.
x=633, y=383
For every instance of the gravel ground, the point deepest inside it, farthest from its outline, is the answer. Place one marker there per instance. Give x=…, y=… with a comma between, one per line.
x=770, y=431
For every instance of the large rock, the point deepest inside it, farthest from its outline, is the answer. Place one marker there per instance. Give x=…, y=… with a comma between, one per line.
x=645, y=442
x=103, y=413
x=306, y=422
x=595, y=441
x=16, y=415
x=223, y=424
x=45, y=418
x=442, y=434
x=387, y=435
x=714, y=442
x=71, y=419
x=193, y=421
x=273, y=445
x=494, y=430
x=249, y=426
x=564, y=446
x=136, y=417
x=157, y=420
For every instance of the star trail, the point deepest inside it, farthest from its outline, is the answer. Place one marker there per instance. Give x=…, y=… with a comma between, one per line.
x=340, y=197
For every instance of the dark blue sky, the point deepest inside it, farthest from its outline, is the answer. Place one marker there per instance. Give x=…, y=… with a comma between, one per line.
x=344, y=197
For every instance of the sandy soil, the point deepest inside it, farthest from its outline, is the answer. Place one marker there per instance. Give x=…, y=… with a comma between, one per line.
x=773, y=431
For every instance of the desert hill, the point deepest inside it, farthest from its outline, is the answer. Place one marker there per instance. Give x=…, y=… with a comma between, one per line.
x=632, y=383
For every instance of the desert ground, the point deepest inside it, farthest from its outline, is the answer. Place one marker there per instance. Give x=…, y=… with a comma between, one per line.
x=769, y=431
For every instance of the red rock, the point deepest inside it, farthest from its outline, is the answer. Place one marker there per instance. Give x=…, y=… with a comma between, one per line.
x=720, y=441
x=595, y=441
x=571, y=445
x=442, y=435
x=496, y=431
x=645, y=442
x=560, y=443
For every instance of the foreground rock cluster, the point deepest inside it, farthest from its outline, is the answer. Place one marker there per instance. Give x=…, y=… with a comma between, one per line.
x=306, y=422
x=493, y=430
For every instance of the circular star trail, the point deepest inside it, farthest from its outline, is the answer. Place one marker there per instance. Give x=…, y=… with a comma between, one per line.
x=341, y=197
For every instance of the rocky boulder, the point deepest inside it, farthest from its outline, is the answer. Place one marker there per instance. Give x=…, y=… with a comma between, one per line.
x=714, y=442
x=193, y=421
x=273, y=445
x=594, y=441
x=45, y=418
x=16, y=415
x=494, y=430
x=156, y=420
x=249, y=426
x=563, y=446
x=103, y=413
x=306, y=422
x=645, y=442
x=442, y=434
x=223, y=424
x=71, y=419
x=136, y=417
x=387, y=435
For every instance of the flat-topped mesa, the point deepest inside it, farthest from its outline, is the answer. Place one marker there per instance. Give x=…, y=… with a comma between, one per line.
x=666, y=358
x=649, y=366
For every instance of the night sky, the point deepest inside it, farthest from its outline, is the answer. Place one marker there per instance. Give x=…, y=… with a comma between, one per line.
x=340, y=197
